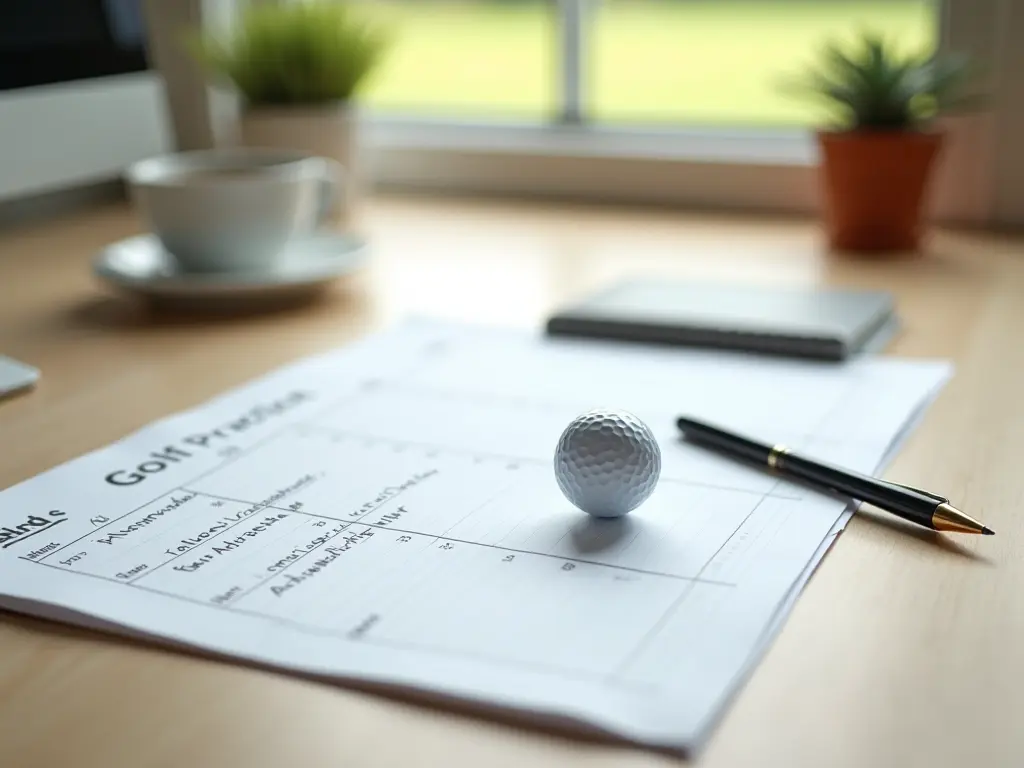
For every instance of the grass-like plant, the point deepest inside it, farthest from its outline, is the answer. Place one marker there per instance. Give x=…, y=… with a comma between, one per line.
x=295, y=53
x=872, y=86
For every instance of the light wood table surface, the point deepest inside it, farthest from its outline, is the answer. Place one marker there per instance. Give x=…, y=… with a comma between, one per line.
x=906, y=649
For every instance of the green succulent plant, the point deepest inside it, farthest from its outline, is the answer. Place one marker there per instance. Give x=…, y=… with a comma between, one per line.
x=294, y=53
x=872, y=86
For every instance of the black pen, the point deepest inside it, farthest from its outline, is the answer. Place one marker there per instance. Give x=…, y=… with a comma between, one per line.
x=912, y=504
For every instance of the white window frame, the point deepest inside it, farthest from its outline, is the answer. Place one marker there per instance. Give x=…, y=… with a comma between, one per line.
x=764, y=170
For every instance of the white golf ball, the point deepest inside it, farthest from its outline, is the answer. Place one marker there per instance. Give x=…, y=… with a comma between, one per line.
x=607, y=462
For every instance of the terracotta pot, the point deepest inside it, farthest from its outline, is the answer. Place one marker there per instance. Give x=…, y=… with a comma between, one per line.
x=875, y=188
x=328, y=131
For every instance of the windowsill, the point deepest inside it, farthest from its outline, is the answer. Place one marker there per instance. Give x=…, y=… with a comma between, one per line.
x=762, y=170
x=767, y=146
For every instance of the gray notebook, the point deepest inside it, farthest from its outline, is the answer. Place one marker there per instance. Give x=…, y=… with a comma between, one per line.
x=804, y=322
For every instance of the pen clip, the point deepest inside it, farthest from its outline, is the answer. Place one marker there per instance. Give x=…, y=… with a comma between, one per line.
x=929, y=494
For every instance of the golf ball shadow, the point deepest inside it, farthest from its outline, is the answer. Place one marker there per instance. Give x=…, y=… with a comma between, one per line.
x=592, y=535
x=607, y=462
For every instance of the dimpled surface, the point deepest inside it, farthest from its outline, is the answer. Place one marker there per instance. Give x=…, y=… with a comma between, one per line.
x=607, y=462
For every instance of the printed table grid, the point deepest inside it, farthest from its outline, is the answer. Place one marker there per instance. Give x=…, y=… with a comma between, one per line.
x=376, y=519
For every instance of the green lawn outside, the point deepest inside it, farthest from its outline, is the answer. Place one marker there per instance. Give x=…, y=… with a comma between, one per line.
x=652, y=61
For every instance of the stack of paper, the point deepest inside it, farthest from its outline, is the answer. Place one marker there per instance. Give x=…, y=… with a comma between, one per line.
x=388, y=513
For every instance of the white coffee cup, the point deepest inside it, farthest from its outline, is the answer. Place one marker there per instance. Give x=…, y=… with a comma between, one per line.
x=230, y=210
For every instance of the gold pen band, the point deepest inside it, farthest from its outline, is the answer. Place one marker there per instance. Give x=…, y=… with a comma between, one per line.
x=775, y=456
x=949, y=518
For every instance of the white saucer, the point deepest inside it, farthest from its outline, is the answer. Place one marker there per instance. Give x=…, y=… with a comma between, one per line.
x=141, y=266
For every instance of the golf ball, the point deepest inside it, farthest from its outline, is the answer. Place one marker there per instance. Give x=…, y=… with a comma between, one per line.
x=607, y=462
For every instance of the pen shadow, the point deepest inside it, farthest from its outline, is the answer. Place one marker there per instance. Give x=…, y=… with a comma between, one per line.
x=934, y=539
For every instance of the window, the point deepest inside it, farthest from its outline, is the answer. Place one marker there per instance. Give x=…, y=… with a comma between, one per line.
x=720, y=62
x=668, y=101
x=662, y=62
x=467, y=58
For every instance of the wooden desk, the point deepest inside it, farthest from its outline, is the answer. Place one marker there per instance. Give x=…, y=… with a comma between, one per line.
x=905, y=649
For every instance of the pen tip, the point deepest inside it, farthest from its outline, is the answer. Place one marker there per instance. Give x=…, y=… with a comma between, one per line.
x=988, y=532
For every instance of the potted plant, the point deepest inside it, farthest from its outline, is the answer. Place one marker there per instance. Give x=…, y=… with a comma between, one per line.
x=298, y=67
x=877, y=162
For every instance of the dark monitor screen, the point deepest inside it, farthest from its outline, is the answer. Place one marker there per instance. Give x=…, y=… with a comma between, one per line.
x=43, y=42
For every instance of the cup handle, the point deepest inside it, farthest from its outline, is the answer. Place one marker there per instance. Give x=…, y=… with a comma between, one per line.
x=332, y=188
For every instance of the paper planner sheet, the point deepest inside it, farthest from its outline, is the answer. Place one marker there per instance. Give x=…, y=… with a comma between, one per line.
x=388, y=513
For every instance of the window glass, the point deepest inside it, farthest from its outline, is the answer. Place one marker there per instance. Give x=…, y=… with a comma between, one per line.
x=720, y=62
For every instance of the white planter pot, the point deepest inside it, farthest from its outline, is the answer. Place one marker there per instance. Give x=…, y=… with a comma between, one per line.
x=325, y=131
